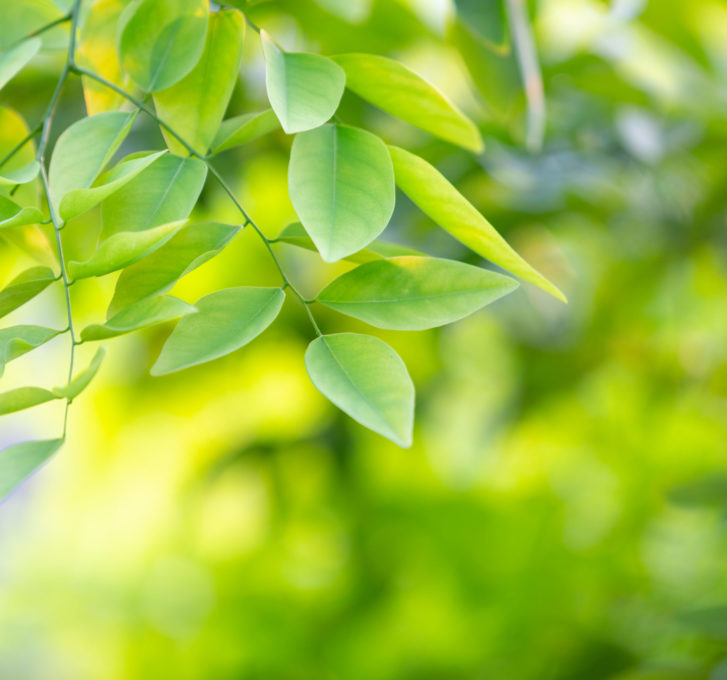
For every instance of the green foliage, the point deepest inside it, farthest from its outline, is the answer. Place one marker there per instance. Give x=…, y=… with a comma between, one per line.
x=24, y=287
x=13, y=59
x=17, y=340
x=20, y=460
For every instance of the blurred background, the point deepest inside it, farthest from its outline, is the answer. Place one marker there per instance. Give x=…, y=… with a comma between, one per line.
x=561, y=515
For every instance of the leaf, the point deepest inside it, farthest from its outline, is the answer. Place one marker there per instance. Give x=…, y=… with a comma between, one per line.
x=189, y=248
x=97, y=52
x=366, y=379
x=18, y=461
x=13, y=59
x=341, y=183
x=24, y=287
x=304, y=89
x=295, y=235
x=705, y=491
x=143, y=314
x=24, y=397
x=194, y=107
x=20, y=18
x=414, y=293
x=225, y=321
x=121, y=250
x=83, y=149
x=164, y=192
x=438, y=199
x=83, y=379
x=78, y=201
x=485, y=19
x=23, y=175
x=242, y=129
x=160, y=41
x=17, y=340
x=399, y=91
x=13, y=215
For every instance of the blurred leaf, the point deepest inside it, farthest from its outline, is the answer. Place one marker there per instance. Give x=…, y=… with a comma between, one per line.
x=13, y=59
x=24, y=287
x=414, y=293
x=17, y=340
x=225, y=321
x=341, y=184
x=24, y=397
x=353, y=11
x=160, y=41
x=121, y=250
x=242, y=129
x=83, y=379
x=438, y=199
x=710, y=621
x=142, y=314
x=304, y=89
x=710, y=490
x=83, y=149
x=194, y=107
x=399, y=91
x=366, y=379
x=18, y=461
x=485, y=19
x=20, y=18
x=13, y=215
x=164, y=192
x=78, y=201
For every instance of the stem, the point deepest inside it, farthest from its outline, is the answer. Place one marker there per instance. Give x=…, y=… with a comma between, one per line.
x=43, y=29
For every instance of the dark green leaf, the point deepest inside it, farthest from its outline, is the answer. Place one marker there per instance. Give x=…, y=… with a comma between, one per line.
x=18, y=461
x=24, y=287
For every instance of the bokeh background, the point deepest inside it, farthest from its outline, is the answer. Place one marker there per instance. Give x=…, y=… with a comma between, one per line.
x=561, y=515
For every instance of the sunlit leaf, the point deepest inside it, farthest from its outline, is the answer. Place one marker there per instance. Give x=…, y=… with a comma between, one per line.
x=189, y=248
x=83, y=379
x=225, y=321
x=121, y=250
x=414, y=293
x=18, y=461
x=194, y=107
x=164, y=192
x=78, y=201
x=24, y=287
x=304, y=89
x=147, y=312
x=437, y=198
x=24, y=397
x=160, y=41
x=398, y=90
x=23, y=175
x=14, y=58
x=83, y=149
x=242, y=129
x=341, y=184
x=13, y=215
x=17, y=340
x=366, y=379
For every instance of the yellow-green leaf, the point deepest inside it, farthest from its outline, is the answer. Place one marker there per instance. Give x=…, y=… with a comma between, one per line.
x=242, y=129
x=24, y=397
x=13, y=215
x=25, y=286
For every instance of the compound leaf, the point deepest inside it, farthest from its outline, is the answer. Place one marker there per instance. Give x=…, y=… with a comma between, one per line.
x=225, y=321
x=366, y=379
x=341, y=184
x=18, y=461
x=25, y=286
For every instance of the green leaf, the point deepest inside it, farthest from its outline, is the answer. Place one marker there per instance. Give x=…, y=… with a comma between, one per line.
x=194, y=107
x=13, y=215
x=366, y=379
x=84, y=149
x=143, y=314
x=242, y=129
x=304, y=89
x=189, y=248
x=13, y=59
x=121, y=250
x=83, y=379
x=225, y=321
x=414, y=293
x=78, y=201
x=341, y=183
x=485, y=19
x=160, y=41
x=165, y=192
x=22, y=175
x=399, y=91
x=24, y=397
x=17, y=340
x=24, y=287
x=295, y=235
x=18, y=461
x=438, y=199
